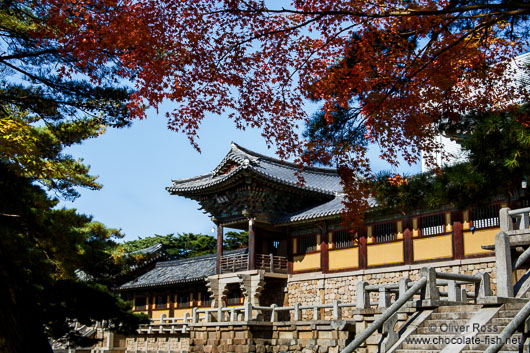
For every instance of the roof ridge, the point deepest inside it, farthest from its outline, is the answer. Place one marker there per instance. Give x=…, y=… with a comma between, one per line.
x=282, y=162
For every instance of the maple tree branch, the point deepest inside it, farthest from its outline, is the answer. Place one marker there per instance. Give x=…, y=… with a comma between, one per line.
x=28, y=55
x=435, y=56
x=522, y=6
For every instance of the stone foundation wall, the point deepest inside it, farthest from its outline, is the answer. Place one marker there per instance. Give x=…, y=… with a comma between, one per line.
x=310, y=289
x=171, y=343
x=259, y=337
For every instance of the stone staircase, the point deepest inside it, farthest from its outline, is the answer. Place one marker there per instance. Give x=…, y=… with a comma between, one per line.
x=502, y=318
x=462, y=328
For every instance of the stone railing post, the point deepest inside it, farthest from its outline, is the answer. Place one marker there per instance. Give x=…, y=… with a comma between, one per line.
x=524, y=221
x=271, y=262
x=220, y=314
x=297, y=312
x=430, y=291
x=454, y=291
x=505, y=219
x=316, y=313
x=337, y=312
x=274, y=313
x=233, y=315
x=186, y=318
x=384, y=298
x=464, y=295
x=484, y=289
x=248, y=311
x=194, y=315
x=390, y=334
x=403, y=286
x=503, y=264
x=363, y=297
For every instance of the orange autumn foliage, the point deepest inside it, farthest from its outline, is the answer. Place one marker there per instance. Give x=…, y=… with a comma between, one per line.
x=405, y=64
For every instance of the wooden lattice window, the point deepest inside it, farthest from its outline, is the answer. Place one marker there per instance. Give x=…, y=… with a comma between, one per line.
x=384, y=232
x=234, y=297
x=431, y=225
x=206, y=299
x=342, y=239
x=307, y=244
x=183, y=300
x=161, y=301
x=140, y=303
x=484, y=217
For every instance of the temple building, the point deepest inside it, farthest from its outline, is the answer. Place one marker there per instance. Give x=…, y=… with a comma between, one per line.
x=299, y=250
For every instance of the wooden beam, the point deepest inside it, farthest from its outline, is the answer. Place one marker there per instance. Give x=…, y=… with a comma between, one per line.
x=219, y=247
x=251, y=244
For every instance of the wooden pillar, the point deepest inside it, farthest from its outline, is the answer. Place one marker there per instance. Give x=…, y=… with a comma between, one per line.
x=324, y=265
x=219, y=247
x=458, y=240
x=150, y=301
x=171, y=304
x=407, y=246
x=362, y=252
x=251, y=245
x=290, y=252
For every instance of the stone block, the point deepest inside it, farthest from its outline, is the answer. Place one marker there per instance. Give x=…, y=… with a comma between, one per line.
x=286, y=335
x=305, y=334
x=325, y=334
x=241, y=334
x=374, y=339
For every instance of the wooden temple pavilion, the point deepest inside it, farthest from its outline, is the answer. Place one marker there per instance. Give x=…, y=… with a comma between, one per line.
x=298, y=242
x=253, y=192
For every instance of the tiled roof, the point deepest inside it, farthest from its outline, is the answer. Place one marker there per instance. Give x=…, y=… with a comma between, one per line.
x=178, y=271
x=150, y=250
x=520, y=64
x=331, y=208
x=320, y=180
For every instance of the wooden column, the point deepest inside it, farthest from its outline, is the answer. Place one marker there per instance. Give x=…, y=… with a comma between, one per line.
x=219, y=247
x=290, y=252
x=362, y=251
x=172, y=304
x=150, y=301
x=251, y=245
x=458, y=240
x=324, y=247
x=407, y=246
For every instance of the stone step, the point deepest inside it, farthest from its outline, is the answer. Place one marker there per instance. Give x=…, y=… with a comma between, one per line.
x=448, y=329
x=446, y=322
x=500, y=321
x=458, y=308
x=449, y=315
x=482, y=351
x=513, y=306
x=507, y=313
x=416, y=351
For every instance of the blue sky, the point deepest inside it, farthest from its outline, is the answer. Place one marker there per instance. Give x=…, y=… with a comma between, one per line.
x=136, y=164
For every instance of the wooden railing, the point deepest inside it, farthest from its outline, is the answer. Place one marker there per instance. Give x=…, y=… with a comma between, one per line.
x=269, y=263
x=234, y=263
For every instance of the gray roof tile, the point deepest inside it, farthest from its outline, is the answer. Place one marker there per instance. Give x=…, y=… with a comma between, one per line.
x=322, y=180
x=178, y=271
